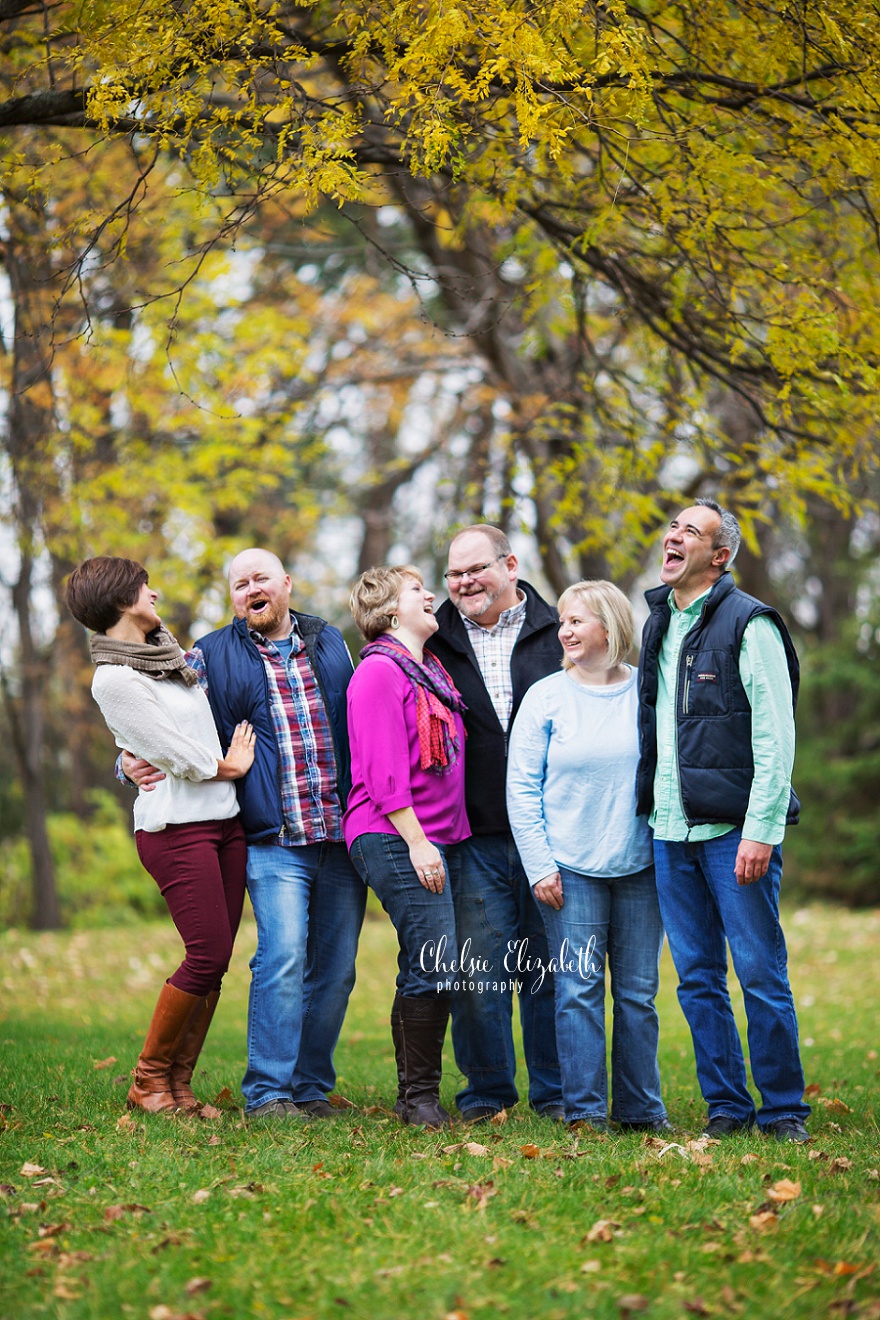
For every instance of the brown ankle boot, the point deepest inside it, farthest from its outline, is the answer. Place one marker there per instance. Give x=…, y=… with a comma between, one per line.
x=151, y=1088
x=181, y=1071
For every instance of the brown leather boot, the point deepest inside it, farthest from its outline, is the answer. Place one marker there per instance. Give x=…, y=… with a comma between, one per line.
x=151, y=1088
x=181, y=1071
x=418, y=1026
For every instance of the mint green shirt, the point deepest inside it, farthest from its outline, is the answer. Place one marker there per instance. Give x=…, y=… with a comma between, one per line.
x=763, y=670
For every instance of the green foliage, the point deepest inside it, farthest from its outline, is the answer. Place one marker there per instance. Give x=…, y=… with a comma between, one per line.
x=100, y=879
x=835, y=850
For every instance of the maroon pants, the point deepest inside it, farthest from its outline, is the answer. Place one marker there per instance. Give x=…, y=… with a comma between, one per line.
x=200, y=870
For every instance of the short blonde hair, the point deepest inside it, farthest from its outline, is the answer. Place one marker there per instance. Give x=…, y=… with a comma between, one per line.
x=374, y=597
x=613, y=611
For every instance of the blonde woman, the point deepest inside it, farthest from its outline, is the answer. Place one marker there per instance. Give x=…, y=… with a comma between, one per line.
x=571, y=799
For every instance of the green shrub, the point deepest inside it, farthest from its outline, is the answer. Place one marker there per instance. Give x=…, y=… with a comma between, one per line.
x=100, y=878
x=834, y=850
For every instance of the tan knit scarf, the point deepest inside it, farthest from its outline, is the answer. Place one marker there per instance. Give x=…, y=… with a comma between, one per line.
x=159, y=657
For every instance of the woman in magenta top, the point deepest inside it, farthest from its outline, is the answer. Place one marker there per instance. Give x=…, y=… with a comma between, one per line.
x=406, y=804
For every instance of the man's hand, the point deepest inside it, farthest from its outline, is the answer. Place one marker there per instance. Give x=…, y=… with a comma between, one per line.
x=752, y=860
x=549, y=890
x=140, y=772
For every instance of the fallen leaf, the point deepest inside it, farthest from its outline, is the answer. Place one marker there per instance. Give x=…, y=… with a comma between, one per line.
x=530, y=1151
x=813, y=1089
x=764, y=1221
x=602, y=1231
x=213, y=1141
x=474, y=1148
x=196, y=1286
x=31, y=1170
x=834, y=1106
x=818, y=1210
x=224, y=1096
x=395, y=1191
x=52, y=1230
x=201, y=1196
x=456, y=1315
x=117, y=1211
x=748, y=1159
x=631, y=1302
x=784, y=1190
x=501, y=1162
x=840, y=1165
x=64, y=1290
x=125, y=1123
x=591, y=1266
x=670, y=1146
x=103, y=1063
x=451, y=1150
x=6, y=1189
x=696, y=1307
x=209, y=1113
x=482, y=1193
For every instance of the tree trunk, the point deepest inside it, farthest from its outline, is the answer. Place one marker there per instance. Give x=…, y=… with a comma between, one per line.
x=30, y=424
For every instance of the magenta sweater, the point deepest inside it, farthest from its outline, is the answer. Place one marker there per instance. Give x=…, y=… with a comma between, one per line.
x=385, y=769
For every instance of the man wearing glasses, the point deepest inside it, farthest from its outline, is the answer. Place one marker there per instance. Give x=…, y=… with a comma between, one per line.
x=496, y=637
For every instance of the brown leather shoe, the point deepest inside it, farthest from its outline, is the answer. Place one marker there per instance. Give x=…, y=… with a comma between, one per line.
x=181, y=1071
x=151, y=1088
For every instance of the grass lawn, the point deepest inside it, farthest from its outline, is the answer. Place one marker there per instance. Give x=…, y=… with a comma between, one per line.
x=165, y=1218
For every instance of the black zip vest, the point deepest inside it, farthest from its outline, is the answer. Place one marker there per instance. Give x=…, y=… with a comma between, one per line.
x=713, y=715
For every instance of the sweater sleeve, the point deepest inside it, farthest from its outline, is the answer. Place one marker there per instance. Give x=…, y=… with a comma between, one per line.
x=378, y=728
x=526, y=773
x=139, y=722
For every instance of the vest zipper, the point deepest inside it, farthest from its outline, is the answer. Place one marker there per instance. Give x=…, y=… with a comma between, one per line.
x=685, y=700
x=688, y=663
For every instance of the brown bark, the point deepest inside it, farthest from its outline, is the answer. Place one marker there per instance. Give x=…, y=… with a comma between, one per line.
x=30, y=423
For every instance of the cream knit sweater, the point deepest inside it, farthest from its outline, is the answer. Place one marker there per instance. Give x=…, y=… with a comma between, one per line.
x=171, y=726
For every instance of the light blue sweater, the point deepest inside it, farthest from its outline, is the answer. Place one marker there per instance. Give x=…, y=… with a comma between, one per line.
x=571, y=779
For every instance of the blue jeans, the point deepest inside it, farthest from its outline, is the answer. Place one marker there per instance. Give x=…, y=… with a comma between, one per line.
x=617, y=919
x=500, y=929
x=702, y=904
x=309, y=905
x=425, y=922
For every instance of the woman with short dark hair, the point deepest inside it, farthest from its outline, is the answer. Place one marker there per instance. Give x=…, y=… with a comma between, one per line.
x=406, y=804
x=187, y=830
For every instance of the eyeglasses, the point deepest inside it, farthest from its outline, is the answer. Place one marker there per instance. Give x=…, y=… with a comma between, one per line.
x=475, y=571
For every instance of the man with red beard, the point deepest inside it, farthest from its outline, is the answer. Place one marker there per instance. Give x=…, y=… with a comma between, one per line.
x=718, y=679
x=496, y=637
x=290, y=672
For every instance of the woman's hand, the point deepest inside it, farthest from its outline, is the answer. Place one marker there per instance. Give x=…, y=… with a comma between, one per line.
x=428, y=865
x=240, y=757
x=549, y=890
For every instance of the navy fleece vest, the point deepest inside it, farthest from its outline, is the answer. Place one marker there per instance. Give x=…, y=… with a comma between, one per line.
x=238, y=689
x=713, y=715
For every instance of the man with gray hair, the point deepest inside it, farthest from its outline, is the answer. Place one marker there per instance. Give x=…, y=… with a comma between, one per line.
x=718, y=681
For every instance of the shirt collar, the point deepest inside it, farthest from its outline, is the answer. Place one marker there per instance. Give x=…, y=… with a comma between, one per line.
x=514, y=615
x=694, y=607
x=264, y=641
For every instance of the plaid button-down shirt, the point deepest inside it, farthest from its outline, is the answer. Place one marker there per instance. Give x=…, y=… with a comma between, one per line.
x=310, y=802
x=493, y=648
